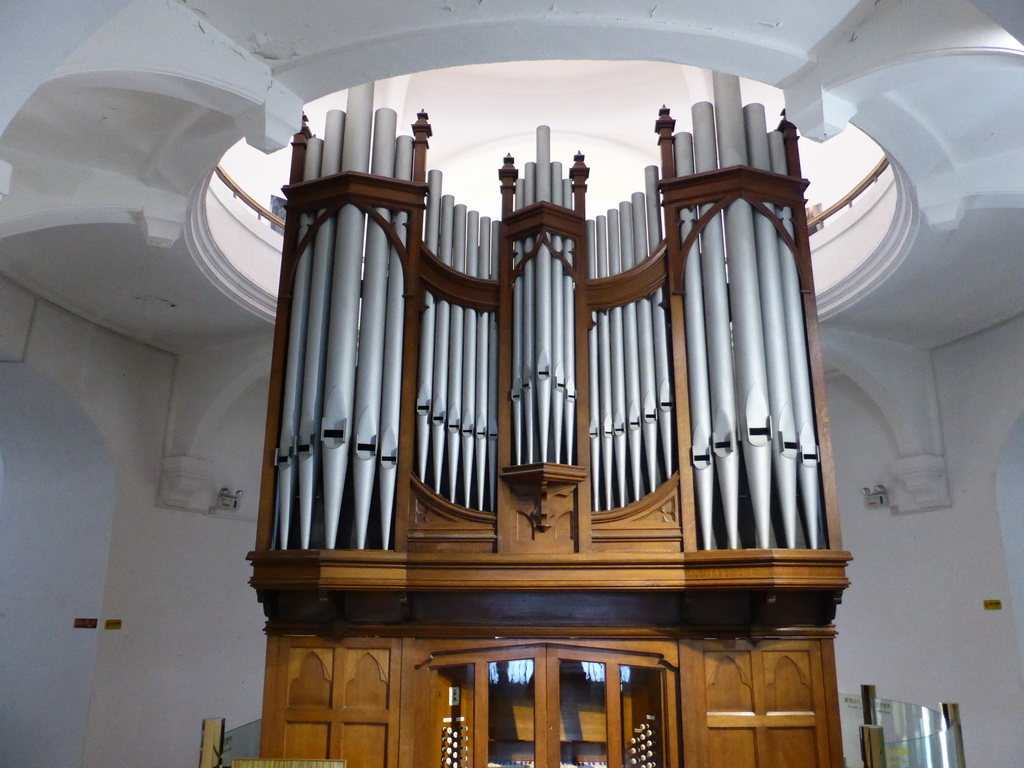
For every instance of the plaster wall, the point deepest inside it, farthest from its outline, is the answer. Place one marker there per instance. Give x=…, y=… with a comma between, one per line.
x=82, y=431
x=55, y=522
x=913, y=621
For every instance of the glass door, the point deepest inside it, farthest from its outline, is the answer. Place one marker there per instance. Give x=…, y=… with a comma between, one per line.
x=551, y=706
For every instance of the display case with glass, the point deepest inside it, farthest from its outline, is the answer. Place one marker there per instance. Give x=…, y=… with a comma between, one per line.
x=610, y=708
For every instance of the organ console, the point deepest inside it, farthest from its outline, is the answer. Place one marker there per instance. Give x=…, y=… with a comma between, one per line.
x=549, y=490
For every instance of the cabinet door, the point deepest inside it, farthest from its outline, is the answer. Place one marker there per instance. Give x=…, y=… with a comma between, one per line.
x=550, y=706
x=616, y=709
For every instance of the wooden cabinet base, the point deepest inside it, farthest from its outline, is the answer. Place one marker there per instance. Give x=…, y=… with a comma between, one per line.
x=408, y=702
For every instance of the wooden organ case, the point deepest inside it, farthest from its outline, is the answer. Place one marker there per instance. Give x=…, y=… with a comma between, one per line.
x=549, y=491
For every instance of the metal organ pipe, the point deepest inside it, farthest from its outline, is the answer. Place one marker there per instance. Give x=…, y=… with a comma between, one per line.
x=529, y=321
x=425, y=373
x=597, y=461
x=631, y=363
x=455, y=353
x=663, y=383
x=470, y=350
x=618, y=356
x=773, y=318
x=542, y=299
x=309, y=448
x=645, y=345
x=696, y=361
x=442, y=328
x=604, y=358
x=719, y=333
x=569, y=337
x=799, y=368
x=391, y=384
x=557, y=325
x=292, y=395
x=339, y=383
x=483, y=269
x=492, y=422
x=372, y=318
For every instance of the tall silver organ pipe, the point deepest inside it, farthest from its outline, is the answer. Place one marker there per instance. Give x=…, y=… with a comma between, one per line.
x=697, y=361
x=645, y=347
x=425, y=375
x=292, y=395
x=799, y=365
x=604, y=364
x=663, y=382
x=391, y=386
x=442, y=328
x=372, y=317
x=557, y=326
x=773, y=321
x=745, y=303
x=719, y=333
x=492, y=421
x=340, y=360
x=309, y=447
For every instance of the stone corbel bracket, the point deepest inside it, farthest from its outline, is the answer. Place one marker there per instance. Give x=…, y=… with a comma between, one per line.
x=924, y=478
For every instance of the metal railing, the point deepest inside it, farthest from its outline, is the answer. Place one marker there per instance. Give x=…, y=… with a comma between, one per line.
x=246, y=198
x=817, y=220
x=813, y=222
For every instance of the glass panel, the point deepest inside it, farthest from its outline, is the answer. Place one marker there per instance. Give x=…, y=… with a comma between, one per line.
x=915, y=736
x=935, y=751
x=584, y=714
x=510, y=714
x=642, y=717
x=453, y=697
x=243, y=741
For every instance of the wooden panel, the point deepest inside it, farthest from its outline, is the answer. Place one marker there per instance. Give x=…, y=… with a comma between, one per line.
x=365, y=745
x=256, y=762
x=309, y=677
x=307, y=740
x=651, y=524
x=791, y=746
x=735, y=748
x=729, y=681
x=788, y=681
x=366, y=681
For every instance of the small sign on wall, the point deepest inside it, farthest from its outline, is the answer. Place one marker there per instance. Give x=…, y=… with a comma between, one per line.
x=86, y=623
x=112, y=624
x=993, y=605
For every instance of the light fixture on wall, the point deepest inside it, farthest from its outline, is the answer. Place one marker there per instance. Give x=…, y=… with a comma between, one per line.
x=876, y=497
x=228, y=500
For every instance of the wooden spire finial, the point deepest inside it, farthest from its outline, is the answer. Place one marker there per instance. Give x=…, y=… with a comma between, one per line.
x=664, y=126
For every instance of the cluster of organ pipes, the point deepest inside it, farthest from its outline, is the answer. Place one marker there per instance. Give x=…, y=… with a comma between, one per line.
x=751, y=407
x=630, y=378
x=341, y=389
x=456, y=385
x=754, y=452
x=543, y=390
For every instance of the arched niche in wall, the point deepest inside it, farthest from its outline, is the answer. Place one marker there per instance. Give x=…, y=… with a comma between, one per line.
x=58, y=504
x=1009, y=493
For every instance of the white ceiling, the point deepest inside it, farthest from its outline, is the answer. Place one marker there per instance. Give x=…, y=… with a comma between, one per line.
x=119, y=109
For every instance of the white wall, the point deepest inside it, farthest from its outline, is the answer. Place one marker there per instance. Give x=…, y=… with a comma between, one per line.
x=55, y=520
x=82, y=430
x=913, y=622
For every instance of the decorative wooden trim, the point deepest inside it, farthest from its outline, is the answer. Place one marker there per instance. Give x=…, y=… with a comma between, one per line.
x=448, y=283
x=637, y=282
x=557, y=219
x=787, y=569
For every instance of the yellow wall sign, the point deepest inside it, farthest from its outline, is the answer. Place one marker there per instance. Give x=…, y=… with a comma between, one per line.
x=112, y=624
x=993, y=605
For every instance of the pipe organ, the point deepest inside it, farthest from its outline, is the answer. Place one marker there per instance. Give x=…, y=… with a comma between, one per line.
x=549, y=490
